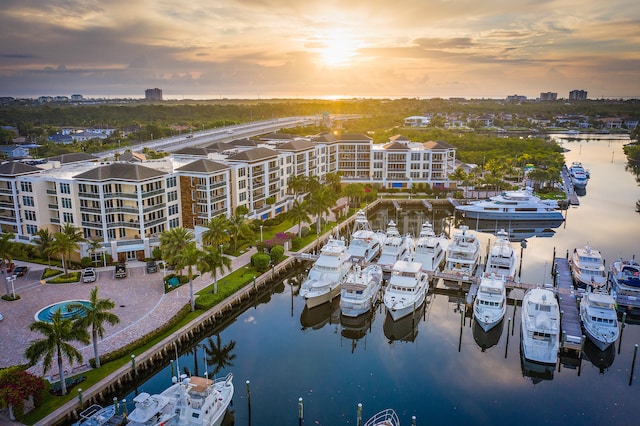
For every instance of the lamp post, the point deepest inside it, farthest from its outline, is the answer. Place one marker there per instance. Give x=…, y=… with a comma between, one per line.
x=12, y=278
x=261, y=233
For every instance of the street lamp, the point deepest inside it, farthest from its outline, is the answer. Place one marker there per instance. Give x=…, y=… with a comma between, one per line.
x=260, y=233
x=12, y=278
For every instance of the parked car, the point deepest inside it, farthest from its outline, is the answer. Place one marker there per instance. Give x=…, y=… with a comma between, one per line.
x=20, y=271
x=89, y=275
x=1, y=317
x=10, y=267
x=152, y=267
x=121, y=271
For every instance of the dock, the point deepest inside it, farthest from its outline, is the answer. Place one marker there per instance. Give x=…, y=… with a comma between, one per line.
x=572, y=340
x=568, y=187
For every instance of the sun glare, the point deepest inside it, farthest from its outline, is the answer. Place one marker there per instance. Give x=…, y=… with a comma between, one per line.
x=338, y=51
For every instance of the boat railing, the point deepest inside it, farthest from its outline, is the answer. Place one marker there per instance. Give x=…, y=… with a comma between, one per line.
x=386, y=417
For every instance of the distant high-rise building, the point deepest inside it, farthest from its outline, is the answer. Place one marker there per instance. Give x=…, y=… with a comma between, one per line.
x=153, y=94
x=548, y=96
x=516, y=98
x=577, y=95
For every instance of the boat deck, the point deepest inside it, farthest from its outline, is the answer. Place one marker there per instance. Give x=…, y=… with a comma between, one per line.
x=572, y=338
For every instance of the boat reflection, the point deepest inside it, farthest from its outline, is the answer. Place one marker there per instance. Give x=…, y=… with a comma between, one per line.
x=404, y=329
x=319, y=316
x=518, y=229
x=488, y=339
x=601, y=359
x=535, y=371
x=358, y=327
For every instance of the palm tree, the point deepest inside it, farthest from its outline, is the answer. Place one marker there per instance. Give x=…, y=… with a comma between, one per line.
x=63, y=245
x=6, y=257
x=95, y=315
x=219, y=356
x=173, y=241
x=239, y=228
x=212, y=260
x=188, y=258
x=57, y=335
x=319, y=204
x=74, y=233
x=297, y=184
x=334, y=182
x=44, y=240
x=94, y=245
x=298, y=213
x=216, y=232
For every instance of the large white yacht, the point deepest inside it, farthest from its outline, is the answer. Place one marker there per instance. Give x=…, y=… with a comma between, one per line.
x=578, y=175
x=463, y=253
x=513, y=205
x=540, y=325
x=490, y=303
x=360, y=290
x=365, y=243
x=406, y=290
x=587, y=268
x=193, y=401
x=396, y=247
x=327, y=273
x=430, y=248
x=502, y=259
x=599, y=318
x=624, y=280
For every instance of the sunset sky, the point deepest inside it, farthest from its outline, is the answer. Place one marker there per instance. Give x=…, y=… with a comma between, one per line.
x=320, y=48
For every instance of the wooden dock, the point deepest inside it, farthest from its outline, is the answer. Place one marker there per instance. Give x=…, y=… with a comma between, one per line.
x=568, y=187
x=572, y=340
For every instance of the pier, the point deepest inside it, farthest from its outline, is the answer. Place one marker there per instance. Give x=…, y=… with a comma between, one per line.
x=572, y=340
x=572, y=198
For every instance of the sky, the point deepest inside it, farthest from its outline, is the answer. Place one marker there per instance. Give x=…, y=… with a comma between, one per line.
x=209, y=49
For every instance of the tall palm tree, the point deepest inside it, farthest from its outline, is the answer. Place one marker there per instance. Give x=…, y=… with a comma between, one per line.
x=212, y=260
x=94, y=245
x=238, y=228
x=297, y=184
x=57, y=335
x=298, y=213
x=219, y=356
x=95, y=315
x=74, y=233
x=187, y=258
x=63, y=244
x=216, y=232
x=173, y=241
x=6, y=257
x=319, y=204
x=44, y=240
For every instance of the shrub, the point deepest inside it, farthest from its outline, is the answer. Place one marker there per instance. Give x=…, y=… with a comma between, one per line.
x=276, y=253
x=50, y=272
x=296, y=244
x=85, y=262
x=304, y=231
x=71, y=277
x=261, y=261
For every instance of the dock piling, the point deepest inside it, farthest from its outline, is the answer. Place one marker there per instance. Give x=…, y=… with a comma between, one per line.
x=300, y=411
x=624, y=320
x=633, y=363
x=506, y=346
x=359, y=419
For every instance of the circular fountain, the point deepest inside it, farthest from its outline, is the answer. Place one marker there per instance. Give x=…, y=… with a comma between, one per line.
x=46, y=314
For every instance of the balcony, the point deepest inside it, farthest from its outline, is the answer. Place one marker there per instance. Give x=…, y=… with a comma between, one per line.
x=121, y=209
x=91, y=195
x=91, y=224
x=154, y=208
x=131, y=195
x=146, y=194
x=9, y=191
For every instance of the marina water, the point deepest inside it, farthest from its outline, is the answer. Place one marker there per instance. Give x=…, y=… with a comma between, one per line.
x=441, y=369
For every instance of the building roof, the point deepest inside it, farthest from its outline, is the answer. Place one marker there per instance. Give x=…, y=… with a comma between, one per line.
x=437, y=145
x=131, y=156
x=354, y=137
x=15, y=168
x=399, y=138
x=120, y=171
x=255, y=154
x=277, y=136
x=203, y=165
x=296, y=145
x=73, y=157
x=242, y=142
x=193, y=150
x=396, y=146
x=218, y=146
x=325, y=137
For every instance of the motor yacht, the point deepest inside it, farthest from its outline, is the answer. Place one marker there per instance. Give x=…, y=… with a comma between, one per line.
x=599, y=318
x=624, y=281
x=406, y=290
x=365, y=244
x=396, y=247
x=540, y=326
x=325, y=277
x=587, y=268
x=360, y=290
x=386, y=417
x=430, y=248
x=512, y=205
x=490, y=303
x=463, y=253
x=502, y=259
x=578, y=175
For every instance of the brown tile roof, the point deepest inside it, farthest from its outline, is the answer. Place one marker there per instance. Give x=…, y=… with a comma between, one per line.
x=203, y=166
x=15, y=168
x=252, y=155
x=120, y=171
x=74, y=157
x=437, y=145
x=296, y=145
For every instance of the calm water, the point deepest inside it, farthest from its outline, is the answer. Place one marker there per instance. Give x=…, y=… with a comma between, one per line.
x=435, y=369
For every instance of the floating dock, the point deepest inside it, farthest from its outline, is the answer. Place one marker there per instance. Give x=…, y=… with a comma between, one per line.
x=568, y=187
x=572, y=340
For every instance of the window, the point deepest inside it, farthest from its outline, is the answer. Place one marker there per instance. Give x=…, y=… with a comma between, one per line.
x=173, y=209
x=243, y=196
x=172, y=196
x=65, y=188
x=66, y=203
x=27, y=201
x=26, y=187
x=171, y=182
x=32, y=229
x=29, y=215
x=67, y=217
x=174, y=223
x=242, y=184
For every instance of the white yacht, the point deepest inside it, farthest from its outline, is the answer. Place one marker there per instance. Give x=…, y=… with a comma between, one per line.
x=360, y=290
x=386, y=417
x=192, y=401
x=513, y=205
x=578, y=175
x=540, y=326
x=587, y=268
x=396, y=247
x=365, y=244
x=599, y=318
x=430, y=248
x=490, y=303
x=327, y=273
x=463, y=253
x=502, y=259
x=624, y=280
x=406, y=290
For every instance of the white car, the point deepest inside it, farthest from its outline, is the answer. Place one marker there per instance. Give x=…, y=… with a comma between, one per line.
x=89, y=275
x=1, y=317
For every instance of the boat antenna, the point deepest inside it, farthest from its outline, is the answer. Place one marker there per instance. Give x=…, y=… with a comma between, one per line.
x=206, y=367
x=175, y=347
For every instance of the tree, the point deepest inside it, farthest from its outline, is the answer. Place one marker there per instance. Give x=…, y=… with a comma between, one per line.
x=44, y=240
x=238, y=228
x=94, y=316
x=67, y=241
x=319, y=204
x=57, y=335
x=334, y=182
x=212, y=260
x=16, y=385
x=297, y=184
x=354, y=191
x=6, y=257
x=298, y=213
x=173, y=241
x=216, y=232
x=219, y=356
x=187, y=258
x=94, y=245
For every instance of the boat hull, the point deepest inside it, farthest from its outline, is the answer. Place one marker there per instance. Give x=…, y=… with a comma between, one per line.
x=487, y=215
x=401, y=310
x=317, y=298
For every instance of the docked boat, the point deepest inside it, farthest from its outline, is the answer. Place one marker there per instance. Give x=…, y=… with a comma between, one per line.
x=578, y=175
x=430, y=248
x=518, y=230
x=512, y=205
x=463, y=253
x=587, y=268
x=490, y=303
x=396, y=247
x=406, y=290
x=599, y=318
x=365, y=244
x=386, y=417
x=502, y=259
x=327, y=273
x=360, y=290
x=192, y=401
x=540, y=326
x=624, y=281
x=96, y=415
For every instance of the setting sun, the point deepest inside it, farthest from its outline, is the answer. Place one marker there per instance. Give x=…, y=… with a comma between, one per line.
x=338, y=51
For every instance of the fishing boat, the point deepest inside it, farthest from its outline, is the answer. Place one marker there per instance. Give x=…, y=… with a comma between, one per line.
x=624, y=281
x=430, y=248
x=360, y=290
x=587, y=268
x=490, y=303
x=396, y=247
x=540, y=326
x=192, y=401
x=386, y=417
x=365, y=244
x=578, y=175
x=463, y=253
x=327, y=273
x=599, y=318
x=406, y=290
x=512, y=205
x=96, y=415
x=502, y=259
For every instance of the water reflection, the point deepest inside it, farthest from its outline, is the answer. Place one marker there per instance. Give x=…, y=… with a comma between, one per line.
x=536, y=372
x=354, y=329
x=404, y=329
x=319, y=316
x=488, y=339
x=601, y=359
x=518, y=230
